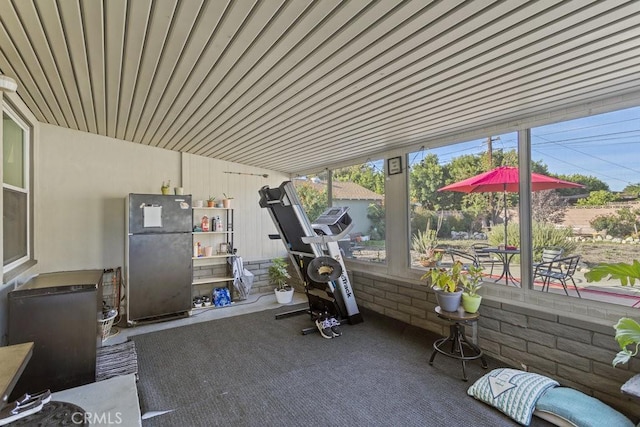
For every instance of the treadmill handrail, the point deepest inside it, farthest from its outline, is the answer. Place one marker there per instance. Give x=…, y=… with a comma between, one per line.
x=327, y=238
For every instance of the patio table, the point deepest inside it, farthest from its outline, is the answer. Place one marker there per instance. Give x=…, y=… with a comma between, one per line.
x=505, y=255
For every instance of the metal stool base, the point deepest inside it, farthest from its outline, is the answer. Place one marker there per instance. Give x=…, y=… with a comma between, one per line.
x=459, y=342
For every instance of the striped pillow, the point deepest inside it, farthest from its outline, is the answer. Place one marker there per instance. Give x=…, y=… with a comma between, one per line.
x=512, y=391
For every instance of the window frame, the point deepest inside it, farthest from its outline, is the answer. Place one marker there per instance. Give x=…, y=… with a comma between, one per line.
x=398, y=268
x=372, y=266
x=27, y=129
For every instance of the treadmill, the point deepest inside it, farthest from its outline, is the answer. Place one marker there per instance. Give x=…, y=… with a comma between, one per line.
x=315, y=253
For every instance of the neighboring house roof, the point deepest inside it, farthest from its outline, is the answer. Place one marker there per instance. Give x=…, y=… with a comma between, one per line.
x=343, y=190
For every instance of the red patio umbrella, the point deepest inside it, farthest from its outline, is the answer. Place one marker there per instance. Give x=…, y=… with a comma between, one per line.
x=507, y=180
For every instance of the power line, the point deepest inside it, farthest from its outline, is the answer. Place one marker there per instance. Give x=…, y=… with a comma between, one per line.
x=591, y=126
x=597, y=137
x=580, y=167
x=594, y=157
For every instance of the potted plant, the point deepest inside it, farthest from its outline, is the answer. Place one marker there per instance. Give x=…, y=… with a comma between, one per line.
x=471, y=283
x=165, y=187
x=447, y=285
x=226, y=202
x=211, y=201
x=278, y=276
x=424, y=243
x=627, y=329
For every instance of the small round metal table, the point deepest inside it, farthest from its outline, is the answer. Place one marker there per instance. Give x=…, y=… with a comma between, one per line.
x=461, y=347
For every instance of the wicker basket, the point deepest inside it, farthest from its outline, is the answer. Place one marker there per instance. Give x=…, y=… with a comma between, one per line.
x=104, y=326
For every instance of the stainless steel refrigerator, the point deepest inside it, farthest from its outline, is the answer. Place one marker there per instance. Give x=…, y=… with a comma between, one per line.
x=158, y=256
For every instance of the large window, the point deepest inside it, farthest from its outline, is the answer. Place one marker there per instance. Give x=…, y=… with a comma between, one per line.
x=455, y=224
x=361, y=189
x=588, y=212
x=599, y=222
x=16, y=190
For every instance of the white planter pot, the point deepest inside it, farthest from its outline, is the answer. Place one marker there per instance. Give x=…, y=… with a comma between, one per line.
x=448, y=301
x=284, y=297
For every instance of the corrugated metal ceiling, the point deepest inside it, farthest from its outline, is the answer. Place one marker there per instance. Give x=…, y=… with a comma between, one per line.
x=294, y=85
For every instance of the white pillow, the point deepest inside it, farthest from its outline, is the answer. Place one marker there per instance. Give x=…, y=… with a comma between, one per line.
x=512, y=391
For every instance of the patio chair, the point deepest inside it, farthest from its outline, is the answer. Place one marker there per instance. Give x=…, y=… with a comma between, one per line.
x=462, y=256
x=549, y=254
x=484, y=259
x=560, y=269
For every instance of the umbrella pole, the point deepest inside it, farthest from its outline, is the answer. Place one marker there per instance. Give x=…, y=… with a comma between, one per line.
x=504, y=200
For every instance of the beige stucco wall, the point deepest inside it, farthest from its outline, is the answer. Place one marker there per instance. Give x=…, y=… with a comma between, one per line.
x=84, y=179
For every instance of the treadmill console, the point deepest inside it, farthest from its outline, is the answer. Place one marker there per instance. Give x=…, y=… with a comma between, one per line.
x=335, y=219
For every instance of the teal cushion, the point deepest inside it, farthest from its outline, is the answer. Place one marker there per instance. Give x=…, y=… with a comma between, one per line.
x=512, y=391
x=578, y=409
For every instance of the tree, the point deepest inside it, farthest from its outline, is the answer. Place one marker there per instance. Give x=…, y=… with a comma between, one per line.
x=375, y=213
x=425, y=178
x=548, y=207
x=632, y=190
x=598, y=198
x=365, y=175
x=313, y=201
x=463, y=167
x=590, y=184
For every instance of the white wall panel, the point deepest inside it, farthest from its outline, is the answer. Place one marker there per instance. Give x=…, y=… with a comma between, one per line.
x=205, y=176
x=84, y=181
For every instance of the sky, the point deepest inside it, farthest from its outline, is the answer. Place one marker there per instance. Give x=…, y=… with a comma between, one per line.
x=605, y=146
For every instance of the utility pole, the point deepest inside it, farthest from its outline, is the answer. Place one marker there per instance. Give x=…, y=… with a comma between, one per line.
x=489, y=167
x=489, y=153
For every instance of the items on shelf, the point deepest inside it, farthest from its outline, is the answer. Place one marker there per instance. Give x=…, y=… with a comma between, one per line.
x=217, y=224
x=213, y=258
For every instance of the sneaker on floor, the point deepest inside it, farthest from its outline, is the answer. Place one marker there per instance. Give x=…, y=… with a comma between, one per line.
x=14, y=411
x=44, y=395
x=335, y=327
x=324, y=326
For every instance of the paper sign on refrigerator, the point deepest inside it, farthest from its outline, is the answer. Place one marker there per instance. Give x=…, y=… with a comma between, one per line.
x=152, y=216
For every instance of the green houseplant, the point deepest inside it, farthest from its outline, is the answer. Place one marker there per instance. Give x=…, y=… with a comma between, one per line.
x=447, y=285
x=627, y=330
x=424, y=243
x=471, y=284
x=211, y=201
x=278, y=276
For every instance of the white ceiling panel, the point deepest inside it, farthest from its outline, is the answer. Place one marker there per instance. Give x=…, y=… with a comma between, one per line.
x=298, y=85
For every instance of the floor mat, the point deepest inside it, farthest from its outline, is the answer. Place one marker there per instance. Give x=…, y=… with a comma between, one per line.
x=117, y=359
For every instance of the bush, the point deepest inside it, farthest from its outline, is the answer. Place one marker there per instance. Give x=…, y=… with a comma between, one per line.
x=376, y=214
x=547, y=235
x=465, y=221
x=496, y=235
x=544, y=235
x=621, y=224
x=420, y=218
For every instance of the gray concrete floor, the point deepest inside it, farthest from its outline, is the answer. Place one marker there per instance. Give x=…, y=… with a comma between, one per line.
x=115, y=401
x=124, y=391
x=252, y=304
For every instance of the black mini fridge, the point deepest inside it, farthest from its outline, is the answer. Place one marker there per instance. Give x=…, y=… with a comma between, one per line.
x=59, y=313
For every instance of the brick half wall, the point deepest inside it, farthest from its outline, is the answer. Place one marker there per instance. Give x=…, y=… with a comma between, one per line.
x=575, y=352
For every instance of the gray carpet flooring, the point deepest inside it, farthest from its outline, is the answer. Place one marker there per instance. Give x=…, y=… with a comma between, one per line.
x=253, y=370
